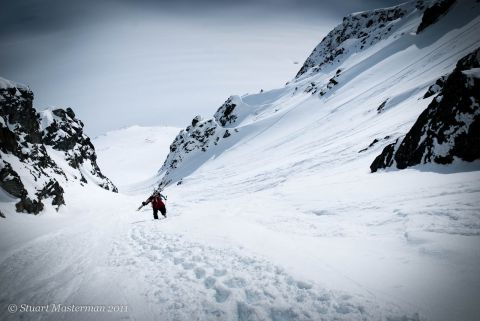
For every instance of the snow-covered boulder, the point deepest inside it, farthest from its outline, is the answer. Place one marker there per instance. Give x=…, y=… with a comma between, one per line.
x=41, y=151
x=448, y=128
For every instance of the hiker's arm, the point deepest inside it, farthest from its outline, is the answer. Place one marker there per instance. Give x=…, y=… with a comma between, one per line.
x=163, y=196
x=147, y=201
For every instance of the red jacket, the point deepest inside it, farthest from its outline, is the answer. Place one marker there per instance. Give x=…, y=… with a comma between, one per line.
x=157, y=202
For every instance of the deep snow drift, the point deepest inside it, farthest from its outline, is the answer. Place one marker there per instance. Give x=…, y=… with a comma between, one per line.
x=280, y=219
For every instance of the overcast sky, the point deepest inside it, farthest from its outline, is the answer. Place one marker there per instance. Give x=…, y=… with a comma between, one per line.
x=152, y=63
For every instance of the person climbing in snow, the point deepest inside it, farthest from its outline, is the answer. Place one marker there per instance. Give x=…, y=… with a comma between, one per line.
x=156, y=199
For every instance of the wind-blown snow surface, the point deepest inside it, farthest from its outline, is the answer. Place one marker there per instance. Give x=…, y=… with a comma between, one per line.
x=282, y=220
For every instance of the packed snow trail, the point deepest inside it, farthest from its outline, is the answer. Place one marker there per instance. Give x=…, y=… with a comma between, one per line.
x=113, y=255
x=277, y=256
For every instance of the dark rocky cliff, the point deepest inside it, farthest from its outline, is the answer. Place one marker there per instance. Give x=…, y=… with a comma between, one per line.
x=450, y=126
x=27, y=140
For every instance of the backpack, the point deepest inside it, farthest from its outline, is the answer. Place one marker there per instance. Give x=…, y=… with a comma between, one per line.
x=157, y=202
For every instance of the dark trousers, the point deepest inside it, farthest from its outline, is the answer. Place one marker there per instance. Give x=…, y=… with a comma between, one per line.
x=163, y=210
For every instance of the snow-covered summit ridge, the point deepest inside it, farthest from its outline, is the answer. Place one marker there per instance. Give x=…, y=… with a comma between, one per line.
x=5, y=84
x=363, y=30
x=41, y=151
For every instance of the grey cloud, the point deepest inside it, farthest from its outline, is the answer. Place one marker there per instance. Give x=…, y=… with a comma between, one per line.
x=37, y=16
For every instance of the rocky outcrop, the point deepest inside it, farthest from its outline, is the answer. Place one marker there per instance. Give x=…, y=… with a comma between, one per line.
x=450, y=126
x=433, y=13
x=381, y=107
x=362, y=30
x=64, y=132
x=436, y=87
x=10, y=181
x=21, y=148
x=225, y=115
x=28, y=140
x=373, y=143
x=323, y=89
x=200, y=137
x=357, y=31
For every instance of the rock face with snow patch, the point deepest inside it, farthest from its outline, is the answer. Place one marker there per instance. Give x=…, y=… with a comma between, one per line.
x=64, y=132
x=448, y=128
x=433, y=13
x=28, y=169
x=200, y=136
x=225, y=114
x=357, y=31
x=436, y=87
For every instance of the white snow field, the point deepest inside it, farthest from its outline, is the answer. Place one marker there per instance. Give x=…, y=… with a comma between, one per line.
x=280, y=221
x=131, y=155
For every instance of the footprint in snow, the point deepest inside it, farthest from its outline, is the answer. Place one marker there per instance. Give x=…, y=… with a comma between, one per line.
x=215, y=284
x=209, y=282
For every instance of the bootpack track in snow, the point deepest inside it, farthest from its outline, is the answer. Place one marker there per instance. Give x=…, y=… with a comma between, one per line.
x=273, y=210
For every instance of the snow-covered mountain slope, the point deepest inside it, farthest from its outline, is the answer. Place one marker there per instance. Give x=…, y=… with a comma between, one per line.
x=281, y=218
x=296, y=162
x=377, y=84
x=40, y=152
x=130, y=155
